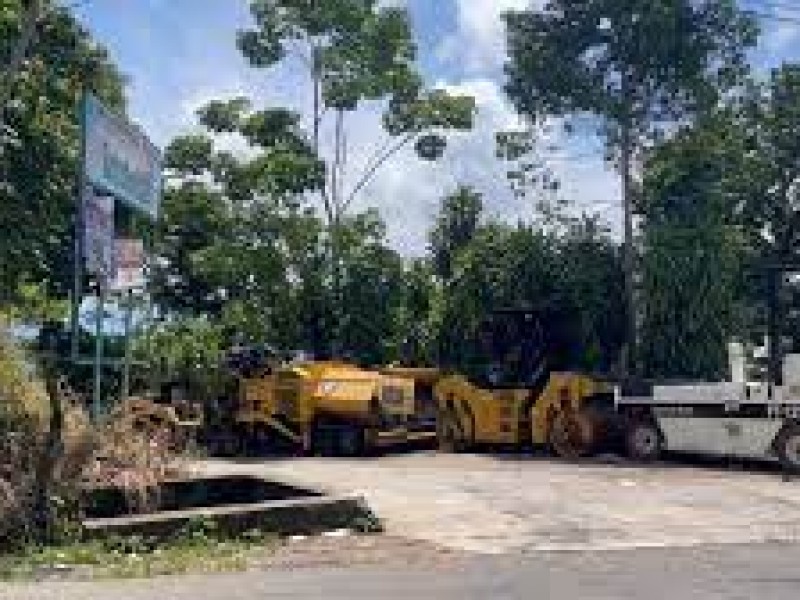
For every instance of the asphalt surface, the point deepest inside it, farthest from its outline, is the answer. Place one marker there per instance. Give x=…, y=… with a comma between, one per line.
x=763, y=572
x=490, y=504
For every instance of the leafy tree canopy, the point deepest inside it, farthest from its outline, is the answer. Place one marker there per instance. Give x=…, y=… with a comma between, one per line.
x=39, y=142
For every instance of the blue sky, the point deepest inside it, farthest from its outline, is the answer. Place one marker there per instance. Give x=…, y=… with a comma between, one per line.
x=178, y=54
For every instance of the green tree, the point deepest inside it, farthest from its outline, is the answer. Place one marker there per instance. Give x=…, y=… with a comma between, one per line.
x=354, y=52
x=456, y=226
x=638, y=65
x=239, y=248
x=373, y=279
x=419, y=314
x=694, y=250
x=577, y=271
x=25, y=19
x=39, y=140
x=592, y=284
x=233, y=228
x=767, y=187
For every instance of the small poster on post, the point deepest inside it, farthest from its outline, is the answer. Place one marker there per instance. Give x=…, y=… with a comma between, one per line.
x=98, y=234
x=128, y=265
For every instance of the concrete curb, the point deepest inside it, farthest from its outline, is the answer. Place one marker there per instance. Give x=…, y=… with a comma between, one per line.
x=307, y=515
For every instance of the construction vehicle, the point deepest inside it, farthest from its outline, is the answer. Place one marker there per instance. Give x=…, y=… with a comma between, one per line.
x=519, y=390
x=754, y=415
x=334, y=408
x=738, y=418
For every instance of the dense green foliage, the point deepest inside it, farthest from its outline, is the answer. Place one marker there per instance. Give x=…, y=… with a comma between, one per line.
x=720, y=204
x=693, y=252
x=39, y=146
x=505, y=266
x=639, y=66
x=643, y=61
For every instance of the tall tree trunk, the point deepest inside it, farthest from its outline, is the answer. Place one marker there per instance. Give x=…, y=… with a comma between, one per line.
x=51, y=451
x=629, y=357
x=337, y=202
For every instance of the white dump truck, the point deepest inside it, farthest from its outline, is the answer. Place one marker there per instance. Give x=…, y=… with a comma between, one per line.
x=736, y=418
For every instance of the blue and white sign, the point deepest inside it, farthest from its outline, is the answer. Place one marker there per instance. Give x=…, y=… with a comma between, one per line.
x=119, y=159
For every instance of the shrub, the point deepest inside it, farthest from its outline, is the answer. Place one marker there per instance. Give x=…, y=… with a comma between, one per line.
x=41, y=478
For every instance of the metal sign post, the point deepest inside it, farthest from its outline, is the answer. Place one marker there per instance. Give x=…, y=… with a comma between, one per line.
x=77, y=274
x=98, y=244
x=126, y=368
x=129, y=275
x=97, y=397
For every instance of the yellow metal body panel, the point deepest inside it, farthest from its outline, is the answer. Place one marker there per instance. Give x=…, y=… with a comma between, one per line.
x=299, y=395
x=572, y=389
x=512, y=416
x=486, y=416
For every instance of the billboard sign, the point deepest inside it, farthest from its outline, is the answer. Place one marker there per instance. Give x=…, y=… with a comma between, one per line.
x=98, y=234
x=128, y=264
x=119, y=159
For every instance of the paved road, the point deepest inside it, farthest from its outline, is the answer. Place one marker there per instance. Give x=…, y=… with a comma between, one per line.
x=505, y=504
x=765, y=572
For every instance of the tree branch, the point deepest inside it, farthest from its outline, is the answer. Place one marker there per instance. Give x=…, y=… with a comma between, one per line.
x=340, y=158
x=371, y=170
x=337, y=157
x=378, y=153
x=318, y=111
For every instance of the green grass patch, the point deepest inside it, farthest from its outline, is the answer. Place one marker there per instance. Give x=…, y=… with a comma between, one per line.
x=197, y=549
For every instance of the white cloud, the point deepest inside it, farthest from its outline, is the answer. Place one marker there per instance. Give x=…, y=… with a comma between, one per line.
x=781, y=39
x=478, y=44
x=408, y=191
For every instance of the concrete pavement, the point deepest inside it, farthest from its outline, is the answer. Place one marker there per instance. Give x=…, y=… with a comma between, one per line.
x=506, y=504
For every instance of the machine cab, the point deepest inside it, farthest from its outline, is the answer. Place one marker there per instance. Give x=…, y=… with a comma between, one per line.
x=519, y=348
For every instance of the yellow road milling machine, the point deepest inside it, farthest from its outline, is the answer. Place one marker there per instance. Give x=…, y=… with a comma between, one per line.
x=333, y=408
x=521, y=390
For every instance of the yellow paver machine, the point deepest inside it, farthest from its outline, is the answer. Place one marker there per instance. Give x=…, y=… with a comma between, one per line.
x=336, y=408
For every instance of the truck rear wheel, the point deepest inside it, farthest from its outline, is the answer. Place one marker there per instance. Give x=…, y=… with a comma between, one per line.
x=788, y=448
x=643, y=441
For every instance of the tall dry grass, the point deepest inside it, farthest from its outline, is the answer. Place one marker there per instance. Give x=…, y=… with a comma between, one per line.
x=41, y=491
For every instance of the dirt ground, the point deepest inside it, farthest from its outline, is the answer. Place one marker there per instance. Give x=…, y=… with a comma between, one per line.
x=505, y=504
